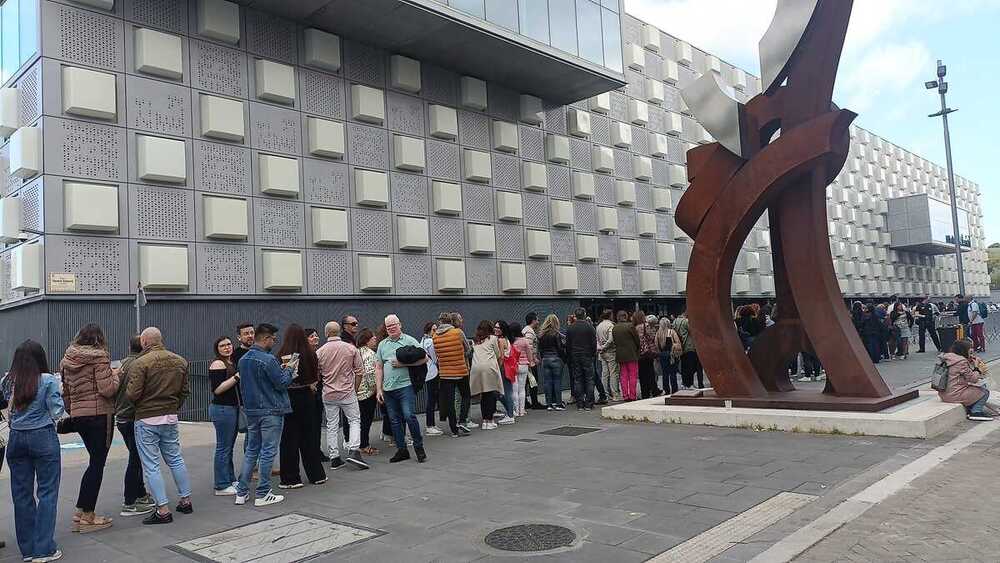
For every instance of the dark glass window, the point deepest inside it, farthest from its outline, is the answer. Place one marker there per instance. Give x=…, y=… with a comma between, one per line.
x=502, y=13
x=472, y=7
x=588, y=28
x=562, y=23
x=533, y=15
x=612, y=40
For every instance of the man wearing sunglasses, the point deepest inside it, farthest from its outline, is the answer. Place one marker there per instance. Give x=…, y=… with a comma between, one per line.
x=349, y=329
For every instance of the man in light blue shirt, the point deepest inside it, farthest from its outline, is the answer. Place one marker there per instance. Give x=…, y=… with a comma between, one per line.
x=392, y=380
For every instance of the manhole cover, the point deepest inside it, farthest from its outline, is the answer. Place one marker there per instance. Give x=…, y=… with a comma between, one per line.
x=569, y=431
x=531, y=537
x=284, y=539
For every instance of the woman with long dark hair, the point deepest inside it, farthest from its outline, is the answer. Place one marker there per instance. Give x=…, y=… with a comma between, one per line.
x=300, y=434
x=89, y=387
x=484, y=377
x=224, y=412
x=367, y=344
x=33, y=450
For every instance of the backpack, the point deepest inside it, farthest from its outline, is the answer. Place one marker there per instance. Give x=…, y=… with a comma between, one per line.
x=939, y=381
x=984, y=311
x=511, y=363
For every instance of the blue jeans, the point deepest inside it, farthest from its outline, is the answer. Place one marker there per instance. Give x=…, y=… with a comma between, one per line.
x=225, y=419
x=979, y=406
x=153, y=441
x=31, y=455
x=507, y=398
x=402, y=404
x=551, y=374
x=263, y=437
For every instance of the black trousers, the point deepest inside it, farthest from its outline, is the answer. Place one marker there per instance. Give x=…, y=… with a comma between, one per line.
x=924, y=328
x=488, y=405
x=432, y=400
x=466, y=392
x=690, y=367
x=583, y=375
x=299, y=439
x=367, y=407
x=602, y=394
x=647, y=378
x=94, y=432
x=446, y=400
x=810, y=365
x=134, y=487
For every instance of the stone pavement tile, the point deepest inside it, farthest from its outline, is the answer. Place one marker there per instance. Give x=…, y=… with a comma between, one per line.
x=651, y=543
x=737, y=501
x=603, y=533
x=660, y=494
x=681, y=527
x=664, y=509
x=603, y=515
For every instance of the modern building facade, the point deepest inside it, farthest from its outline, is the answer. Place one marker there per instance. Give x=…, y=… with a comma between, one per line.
x=291, y=161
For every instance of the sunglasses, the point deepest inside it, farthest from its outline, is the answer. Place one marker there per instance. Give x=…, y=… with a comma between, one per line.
x=354, y=323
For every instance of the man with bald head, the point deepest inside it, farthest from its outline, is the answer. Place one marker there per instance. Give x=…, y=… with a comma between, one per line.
x=157, y=386
x=393, y=387
x=340, y=370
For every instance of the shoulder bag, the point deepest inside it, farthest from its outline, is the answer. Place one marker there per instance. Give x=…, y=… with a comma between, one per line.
x=939, y=381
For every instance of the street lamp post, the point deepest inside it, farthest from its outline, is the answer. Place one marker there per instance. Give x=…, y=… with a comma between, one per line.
x=942, y=88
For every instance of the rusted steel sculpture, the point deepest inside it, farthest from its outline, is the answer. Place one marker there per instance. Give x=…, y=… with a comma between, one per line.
x=778, y=152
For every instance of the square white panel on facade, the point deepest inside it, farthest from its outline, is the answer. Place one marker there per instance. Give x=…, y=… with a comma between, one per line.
x=628, y=250
x=325, y=137
x=703, y=136
x=225, y=217
x=25, y=152
x=654, y=91
x=404, y=73
x=513, y=278
x=90, y=207
x=281, y=269
x=482, y=239
x=412, y=233
x=682, y=53
x=670, y=73
x=10, y=219
x=600, y=103
x=621, y=134
x=408, y=152
x=557, y=148
x=665, y=254
x=159, y=53
x=642, y=167
x=539, y=243
x=535, y=176
x=607, y=219
x=682, y=281
x=26, y=267
x=739, y=79
x=279, y=175
x=767, y=285
x=662, y=199
x=509, y=206
x=322, y=49
x=163, y=267
x=477, y=166
x=566, y=279
x=625, y=192
x=634, y=57
x=374, y=273
x=651, y=38
x=611, y=280
x=446, y=198
x=275, y=81
x=8, y=111
x=645, y=224
x=604, y=159
x=450, y=275
x=578, y=123
x=583, y=185
x=505, y=136
x=658, y=145
x=443, y=122
x=531, y=109
x=222, y=118
x=561, y=213
x=649, y=281
x=638, y=112
x=712, y=64
x=160, y=160
x=673, y=123
x=89, y=93
x=329, y=227
x=741, y=283
x=371, y=188
x=473, y=93
x=367, y=104
x=677, y=175
x=220, y=20
x=586, y=248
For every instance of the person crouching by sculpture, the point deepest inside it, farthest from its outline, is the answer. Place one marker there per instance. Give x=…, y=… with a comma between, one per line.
x=965, y=382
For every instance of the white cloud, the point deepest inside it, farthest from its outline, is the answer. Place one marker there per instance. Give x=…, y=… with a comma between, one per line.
x=882, y=73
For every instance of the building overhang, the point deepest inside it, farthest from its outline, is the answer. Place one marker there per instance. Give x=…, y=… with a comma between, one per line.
x=929, y=248
x=439, y=35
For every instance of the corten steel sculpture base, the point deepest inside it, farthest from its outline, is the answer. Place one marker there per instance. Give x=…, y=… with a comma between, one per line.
x=749, y=171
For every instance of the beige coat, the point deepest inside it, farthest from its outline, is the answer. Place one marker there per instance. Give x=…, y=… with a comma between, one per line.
x=962, y=380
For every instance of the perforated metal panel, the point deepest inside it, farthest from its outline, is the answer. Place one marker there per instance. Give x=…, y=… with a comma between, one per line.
x=474, y=130
x=588, y=279
x=623, y=164
x=330, y=272
x=532, y=143
x=271, y=37
x=581, y=154
x=510, y=241
x=275, y=129
x=607, y=249
x=409, y=193
x=161, y=213
x=604, y=189
x=626, y=222
x=225, y=268
x=600, y=129
x=364, y=64
x=660, y=172
x=8, y=182
x=539, y=276
x=100, y=264
x=506, y=171
x=29, y=95
x=664, y=227
x=563, y=245
x=222, y=168
x=656, y=117
x=321, y=93
x=372, y=230
x=438, y=85
x=413, y=274
x=647, y=252
x=171, y=15
x=668, y=281
x=442, y=159
x=536, y=210
x=630, y=280
x=368, y=146
x=640, y=141
x=676, y=151
x=32, y=213
x=643, y=196
x=477, y=202
x=504, y=103
x=631, y=30
x=157, y=106
x=585, y=217
x=77, y=148
x=636, y=86
x=218, y=69
x=683, y=254
x=555, y=119
x=82, y=36
x=654, y=65
x=279, y=223
x=447, y=236
x=406, y=113
x=619, y=107
x=481, y=276
x=559, y=182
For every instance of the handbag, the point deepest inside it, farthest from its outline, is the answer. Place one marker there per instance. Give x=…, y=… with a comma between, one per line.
x=241, y=415
x=4, y=431
x=939, y=381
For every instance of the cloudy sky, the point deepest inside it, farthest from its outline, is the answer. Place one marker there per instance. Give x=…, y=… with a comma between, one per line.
x=891, y=50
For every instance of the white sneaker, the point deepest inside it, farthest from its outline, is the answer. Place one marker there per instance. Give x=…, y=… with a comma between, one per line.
x=433, y=431
x=54, y=557
x=241, y=499
x=491, y=426
x=271, y=498
x=227, y=492
x=506, y=420
x=484, y=426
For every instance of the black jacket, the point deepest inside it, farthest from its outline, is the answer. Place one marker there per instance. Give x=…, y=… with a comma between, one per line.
x=581, y=341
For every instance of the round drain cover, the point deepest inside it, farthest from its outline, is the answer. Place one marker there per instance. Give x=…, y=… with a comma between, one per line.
x=530, y=537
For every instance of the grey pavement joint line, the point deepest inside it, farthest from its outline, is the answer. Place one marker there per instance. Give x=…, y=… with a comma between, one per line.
x=796, y=543
x=714, y=541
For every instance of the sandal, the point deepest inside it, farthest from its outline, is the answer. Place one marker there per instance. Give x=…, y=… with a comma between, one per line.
x=94, y=523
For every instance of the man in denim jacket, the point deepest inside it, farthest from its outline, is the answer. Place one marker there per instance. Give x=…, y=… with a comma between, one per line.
x=263, y=384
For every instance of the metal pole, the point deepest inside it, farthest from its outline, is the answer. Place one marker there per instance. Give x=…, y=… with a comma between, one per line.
x=951, y=189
